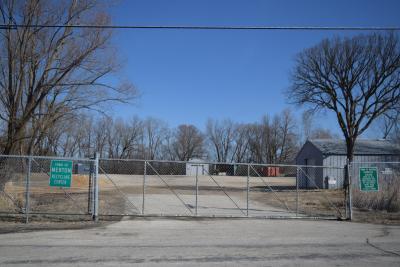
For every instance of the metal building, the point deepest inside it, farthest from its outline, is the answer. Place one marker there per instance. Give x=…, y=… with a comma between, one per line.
x=332, y=152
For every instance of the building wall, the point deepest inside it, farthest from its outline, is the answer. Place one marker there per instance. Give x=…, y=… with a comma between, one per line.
x=340, y=161
x=332, y=178
x=334, y=174
x=309, y=151
x=309, y=177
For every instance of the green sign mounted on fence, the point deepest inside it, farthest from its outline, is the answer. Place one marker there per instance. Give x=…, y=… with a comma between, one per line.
x=60, y=173
x=369, y=179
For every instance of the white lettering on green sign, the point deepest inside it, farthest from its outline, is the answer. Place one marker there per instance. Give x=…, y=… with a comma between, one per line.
x=60, y=173
x=368, y=179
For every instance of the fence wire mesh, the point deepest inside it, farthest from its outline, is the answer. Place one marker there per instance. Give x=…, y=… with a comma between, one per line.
x=197, y=188
x=298, y=190
x=13, y=173
x=120, y=186
x=385, y=198
x=173, y=188
x=25, y=187
x=64, y=200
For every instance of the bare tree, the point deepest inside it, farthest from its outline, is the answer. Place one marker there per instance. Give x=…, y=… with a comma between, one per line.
x=124, y=138
x=221, y=135
x=306, y=125
x=396, y=134
x=260, y=138
x=47, y=73
x=388, y=123
x=273, y=140
x=310, y=132
x=167, y=151
x=101, y=132
x=187, y=143
x=155, y=131
x=75, y=137
x=241, y=144
x=357, y=78
x=321, y=133
x=286, y=138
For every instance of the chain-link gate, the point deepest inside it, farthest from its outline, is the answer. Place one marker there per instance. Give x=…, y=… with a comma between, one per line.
x=207, y=189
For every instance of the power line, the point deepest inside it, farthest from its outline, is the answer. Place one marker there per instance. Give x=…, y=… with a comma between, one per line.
x=186, y=27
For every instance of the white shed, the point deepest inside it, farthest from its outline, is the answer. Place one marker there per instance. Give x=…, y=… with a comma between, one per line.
x=196, y=164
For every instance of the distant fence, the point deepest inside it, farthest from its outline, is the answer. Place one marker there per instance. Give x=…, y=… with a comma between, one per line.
x=118, y=187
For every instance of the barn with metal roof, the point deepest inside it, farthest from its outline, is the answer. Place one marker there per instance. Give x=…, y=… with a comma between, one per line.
x=332, y=152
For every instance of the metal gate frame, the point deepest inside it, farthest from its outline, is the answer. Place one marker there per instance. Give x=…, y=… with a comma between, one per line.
x=193, y=211
x=249, y=172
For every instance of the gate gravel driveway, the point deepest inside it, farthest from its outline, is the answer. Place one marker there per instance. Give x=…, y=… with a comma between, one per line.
x=207, y=242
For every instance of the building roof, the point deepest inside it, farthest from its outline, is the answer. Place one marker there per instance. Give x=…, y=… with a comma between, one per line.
x=362, y=147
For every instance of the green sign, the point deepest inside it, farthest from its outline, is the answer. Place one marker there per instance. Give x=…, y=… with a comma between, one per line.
x=60, y=173
x=369, y=179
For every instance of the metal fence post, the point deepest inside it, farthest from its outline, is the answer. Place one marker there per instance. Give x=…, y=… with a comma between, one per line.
x=197, y=188
x=297, y=191
x=96, y=188
x=144, y=185
x=93, y=206
x=350, y=191
x=27, y=184
x=91, y=194
x=247, y=190
x=346, y=205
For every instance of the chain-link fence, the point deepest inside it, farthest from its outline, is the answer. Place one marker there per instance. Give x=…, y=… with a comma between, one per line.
x=107, y=187
x=375, y=188
x=26, y=190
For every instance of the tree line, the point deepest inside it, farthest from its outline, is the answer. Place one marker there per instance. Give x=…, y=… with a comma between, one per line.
x=272, y=139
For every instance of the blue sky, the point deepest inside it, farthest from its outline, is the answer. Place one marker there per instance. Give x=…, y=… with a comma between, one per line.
x=189, y=76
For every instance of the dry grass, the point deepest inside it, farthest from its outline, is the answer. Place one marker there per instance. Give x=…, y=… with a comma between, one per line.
x=46, y=199
x=386, y=199
x=11, y=202
x=310, y=202
x=82, y=181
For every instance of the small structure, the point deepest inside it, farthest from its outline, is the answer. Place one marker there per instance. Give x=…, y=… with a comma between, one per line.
x=80, y=168
x=332, y=152
x=270, y=171
x=196, y=164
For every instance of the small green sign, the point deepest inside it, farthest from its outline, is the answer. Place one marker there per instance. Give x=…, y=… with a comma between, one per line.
x=369, y=179
x=60, y=173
